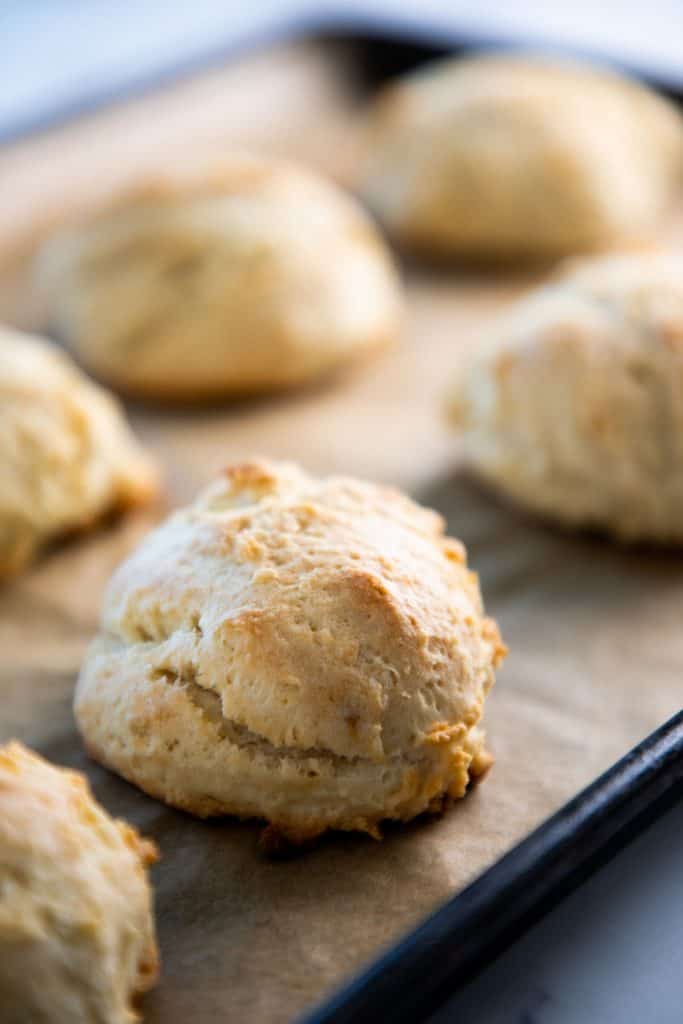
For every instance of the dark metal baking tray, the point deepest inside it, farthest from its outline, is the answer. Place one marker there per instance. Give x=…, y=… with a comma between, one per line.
x=423, y=971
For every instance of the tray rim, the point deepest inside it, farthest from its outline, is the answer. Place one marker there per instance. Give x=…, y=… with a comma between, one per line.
x=311, y=22
x=419, y=973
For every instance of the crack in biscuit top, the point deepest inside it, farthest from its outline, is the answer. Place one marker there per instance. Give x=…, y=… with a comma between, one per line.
x=324, y=613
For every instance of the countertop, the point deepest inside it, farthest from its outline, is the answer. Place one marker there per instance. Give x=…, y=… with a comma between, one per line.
x=609, y=954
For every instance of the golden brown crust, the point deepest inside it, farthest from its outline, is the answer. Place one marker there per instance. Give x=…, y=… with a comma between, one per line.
x=67, y=456
x=312, y=652
x=496, y=158
x=79, y=893
x=209, y=282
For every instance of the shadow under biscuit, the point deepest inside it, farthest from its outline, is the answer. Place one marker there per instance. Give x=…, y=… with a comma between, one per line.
x=511, y=270
x=595, y=645
x=264, y=939
x=515, y=551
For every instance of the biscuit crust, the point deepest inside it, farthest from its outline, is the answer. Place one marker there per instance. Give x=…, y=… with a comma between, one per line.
x=77, y=941
x=574, y=405
x=309, y=651
x=67, y=455
x=502, y=157
x=233, y=278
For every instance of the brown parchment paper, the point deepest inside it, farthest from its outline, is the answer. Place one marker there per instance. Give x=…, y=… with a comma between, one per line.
x=595, y=635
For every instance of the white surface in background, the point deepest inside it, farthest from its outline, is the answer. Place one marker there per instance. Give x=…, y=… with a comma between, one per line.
x=646, y=35
x=60, y=54
x=610, y=954
x=57, y=54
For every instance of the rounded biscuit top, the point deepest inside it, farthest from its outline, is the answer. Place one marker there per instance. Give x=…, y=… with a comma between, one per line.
x=497, y=157
x=223, y=278
x=76, y=928
x=574, y=403
x=67, y=455
x=302, y=620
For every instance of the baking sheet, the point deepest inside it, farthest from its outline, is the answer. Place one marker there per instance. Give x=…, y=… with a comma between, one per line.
x=594, y=630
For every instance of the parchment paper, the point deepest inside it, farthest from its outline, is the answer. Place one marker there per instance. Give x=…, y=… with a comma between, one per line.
x=594, y=630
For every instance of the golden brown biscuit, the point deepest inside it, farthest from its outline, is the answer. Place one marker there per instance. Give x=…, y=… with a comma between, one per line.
x=77, y=940
x=574, y=406
x=496, y=157
x=244, y=277
x=67, y=455
x=308, y=651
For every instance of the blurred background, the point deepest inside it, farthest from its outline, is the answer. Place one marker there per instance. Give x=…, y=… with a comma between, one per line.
x=60, y=56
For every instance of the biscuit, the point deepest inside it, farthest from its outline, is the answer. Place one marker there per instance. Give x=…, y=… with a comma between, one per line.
x=67, y=455
x=500, y=157
x=574, y=404
x=242, y=277
x=77, y=941
x=308, y=651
